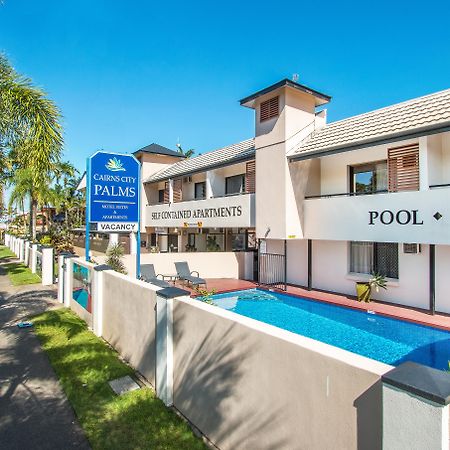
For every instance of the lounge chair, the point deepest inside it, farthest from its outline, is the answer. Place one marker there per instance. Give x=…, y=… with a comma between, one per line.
x=148, y=274
x=185, y=274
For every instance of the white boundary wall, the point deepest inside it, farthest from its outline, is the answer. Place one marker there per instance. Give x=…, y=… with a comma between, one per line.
x=243, y=383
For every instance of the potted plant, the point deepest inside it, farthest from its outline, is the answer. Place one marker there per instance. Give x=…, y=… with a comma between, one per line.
x=364, y=289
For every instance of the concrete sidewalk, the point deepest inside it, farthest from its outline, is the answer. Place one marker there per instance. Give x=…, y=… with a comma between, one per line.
x=34, y=411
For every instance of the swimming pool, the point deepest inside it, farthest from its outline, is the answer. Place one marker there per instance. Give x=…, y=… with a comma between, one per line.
x=381, y=338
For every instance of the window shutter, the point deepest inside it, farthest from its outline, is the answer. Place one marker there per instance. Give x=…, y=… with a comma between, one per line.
x=250, y=173
x=177, y=191
x=269, y=109
x=403, y=168
x=166, y=192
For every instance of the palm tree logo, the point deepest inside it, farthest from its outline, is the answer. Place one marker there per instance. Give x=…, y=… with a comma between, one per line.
x=114, y=165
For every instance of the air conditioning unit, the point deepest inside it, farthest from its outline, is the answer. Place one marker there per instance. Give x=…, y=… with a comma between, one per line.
x=412, y=248
x=187, y=179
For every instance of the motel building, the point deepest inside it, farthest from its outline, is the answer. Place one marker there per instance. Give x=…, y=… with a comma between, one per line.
x=321, y=205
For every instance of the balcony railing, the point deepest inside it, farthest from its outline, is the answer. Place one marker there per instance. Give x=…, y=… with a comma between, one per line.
x=346, y=194
x=433, y=186
x=201, y=199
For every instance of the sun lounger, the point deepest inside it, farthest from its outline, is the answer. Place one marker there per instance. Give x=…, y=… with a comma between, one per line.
x=148, y=274
x=185, y=274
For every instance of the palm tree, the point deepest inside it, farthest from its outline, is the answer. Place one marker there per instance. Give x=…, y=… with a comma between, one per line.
x=185, y=153
x=30, y=132
x=22, y=188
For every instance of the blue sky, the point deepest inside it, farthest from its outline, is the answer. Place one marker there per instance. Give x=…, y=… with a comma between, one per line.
x=126, y=74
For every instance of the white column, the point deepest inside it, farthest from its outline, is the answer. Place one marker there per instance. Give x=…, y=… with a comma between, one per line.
x=33, y=257
x=47, y=266
x=415, y=408
x=164, y=349
x=61, y=277
x=133, y=244
x=20, y=249
x=170, y=191
x=113, y=239
x=26, y=259
x=97, y=298
x=423, y=163
x=209, y=181
x=68, y=261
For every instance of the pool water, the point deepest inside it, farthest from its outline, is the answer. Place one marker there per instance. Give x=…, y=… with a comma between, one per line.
x=381, y=338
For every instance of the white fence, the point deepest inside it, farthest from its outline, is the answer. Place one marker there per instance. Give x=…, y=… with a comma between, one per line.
x=247, y=384
x=39, y=258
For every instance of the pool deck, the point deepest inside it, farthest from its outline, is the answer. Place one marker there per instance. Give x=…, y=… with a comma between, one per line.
x=395, y=311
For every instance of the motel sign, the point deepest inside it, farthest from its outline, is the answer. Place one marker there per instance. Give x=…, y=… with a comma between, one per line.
x=114, y=186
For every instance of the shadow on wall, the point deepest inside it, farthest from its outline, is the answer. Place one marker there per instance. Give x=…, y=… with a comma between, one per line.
x=305, y=176
x=133, y=333
x=204, y=391
x=369, y=410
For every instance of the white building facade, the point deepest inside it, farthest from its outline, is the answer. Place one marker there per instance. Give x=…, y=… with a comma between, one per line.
x=339, y=201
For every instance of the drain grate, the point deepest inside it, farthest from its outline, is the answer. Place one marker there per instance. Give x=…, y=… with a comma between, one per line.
x=123, y=385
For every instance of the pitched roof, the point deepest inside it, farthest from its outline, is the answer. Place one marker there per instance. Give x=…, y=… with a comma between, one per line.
x=159, y=149
x=321, y=98
x=223, y=156
x=431, y=112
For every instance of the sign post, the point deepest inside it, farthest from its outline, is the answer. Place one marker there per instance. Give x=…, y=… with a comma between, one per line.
x=113, y=196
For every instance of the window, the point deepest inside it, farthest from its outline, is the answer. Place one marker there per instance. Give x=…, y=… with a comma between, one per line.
x=238, y=242
x=269, y=109
x=161, y=196
x=235, y=185
x=374, y=257
x=368, y=178
x=200, y=190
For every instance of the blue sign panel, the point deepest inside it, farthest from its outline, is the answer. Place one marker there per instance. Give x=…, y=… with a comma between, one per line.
x=113, y=191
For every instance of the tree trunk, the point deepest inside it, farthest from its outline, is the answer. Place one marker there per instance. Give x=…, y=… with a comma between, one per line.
x=24, y=216
x=33, y=213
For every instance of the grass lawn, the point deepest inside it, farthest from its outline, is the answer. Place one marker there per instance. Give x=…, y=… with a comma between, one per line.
x=5, y=252
x=84, y=365
x=18, y=273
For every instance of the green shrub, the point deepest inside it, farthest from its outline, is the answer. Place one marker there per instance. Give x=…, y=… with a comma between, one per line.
x=114, y=258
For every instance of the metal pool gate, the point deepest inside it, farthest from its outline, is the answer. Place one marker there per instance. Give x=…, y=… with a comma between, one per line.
x=272, y=270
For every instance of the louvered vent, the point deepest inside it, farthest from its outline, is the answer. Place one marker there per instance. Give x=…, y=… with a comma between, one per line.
x=403, y=167
x=269, y=109
x=250, y=172
x=166, y=192
x=177, y=191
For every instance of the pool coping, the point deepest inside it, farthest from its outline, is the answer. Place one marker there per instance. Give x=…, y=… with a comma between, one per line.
x=314, y=345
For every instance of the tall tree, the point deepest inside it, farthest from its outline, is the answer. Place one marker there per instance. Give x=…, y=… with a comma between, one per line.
x=21, y=191
x=30, y=132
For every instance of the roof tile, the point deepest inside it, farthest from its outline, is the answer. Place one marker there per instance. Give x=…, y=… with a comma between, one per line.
x=380, y=124
x=222, y=156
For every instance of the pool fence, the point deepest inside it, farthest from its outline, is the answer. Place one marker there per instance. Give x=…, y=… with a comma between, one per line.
x=246, y=384
x=39, y=258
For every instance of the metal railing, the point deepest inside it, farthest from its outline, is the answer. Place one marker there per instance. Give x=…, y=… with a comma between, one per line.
x=348, y=194
x=201, y=199
x=433, y=186
x=272, y=270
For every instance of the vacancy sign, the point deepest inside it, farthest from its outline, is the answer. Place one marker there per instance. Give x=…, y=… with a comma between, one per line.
x=113, y=192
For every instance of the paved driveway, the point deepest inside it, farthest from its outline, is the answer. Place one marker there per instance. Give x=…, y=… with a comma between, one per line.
x=34, y=411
